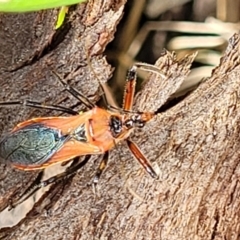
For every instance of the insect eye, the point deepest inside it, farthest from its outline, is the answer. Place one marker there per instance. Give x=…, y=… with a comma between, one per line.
x=129, y=123
x=115, y=125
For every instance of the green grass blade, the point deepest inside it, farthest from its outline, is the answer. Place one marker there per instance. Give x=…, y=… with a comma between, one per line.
x=33, y=5
x=61, y=16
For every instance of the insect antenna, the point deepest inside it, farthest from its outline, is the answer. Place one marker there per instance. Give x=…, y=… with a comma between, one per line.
x=150, y=68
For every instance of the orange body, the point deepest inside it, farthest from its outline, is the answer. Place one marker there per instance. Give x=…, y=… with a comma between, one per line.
x=95, y=123
x=40, y=142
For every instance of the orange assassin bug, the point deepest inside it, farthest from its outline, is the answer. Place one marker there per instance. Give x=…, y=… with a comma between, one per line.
x=40, y=142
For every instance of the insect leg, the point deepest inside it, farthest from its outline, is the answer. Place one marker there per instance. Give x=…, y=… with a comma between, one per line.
x=73, y=169
x=141, y=159
x=36, y=104
x=101, y=167
x=129, y=89
x=79, y=96
x=131, y=82
x=16, y=200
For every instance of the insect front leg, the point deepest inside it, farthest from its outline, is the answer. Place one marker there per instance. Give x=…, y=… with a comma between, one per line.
x=131, y=82
x=141, y=158
x=130, y=89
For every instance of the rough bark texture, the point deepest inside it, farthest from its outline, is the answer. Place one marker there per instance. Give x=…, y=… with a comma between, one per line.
x=194, y=146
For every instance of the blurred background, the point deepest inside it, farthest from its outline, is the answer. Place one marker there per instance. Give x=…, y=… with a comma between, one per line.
x=183, y=26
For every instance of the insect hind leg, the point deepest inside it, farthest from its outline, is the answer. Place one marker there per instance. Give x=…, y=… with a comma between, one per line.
x=36, y=104
x=72, y=170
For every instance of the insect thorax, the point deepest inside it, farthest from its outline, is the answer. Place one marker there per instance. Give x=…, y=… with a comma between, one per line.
x=80, y=133
x=116, y=126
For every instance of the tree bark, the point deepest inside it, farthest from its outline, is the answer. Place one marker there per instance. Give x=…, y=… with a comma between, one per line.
x=194, y=146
